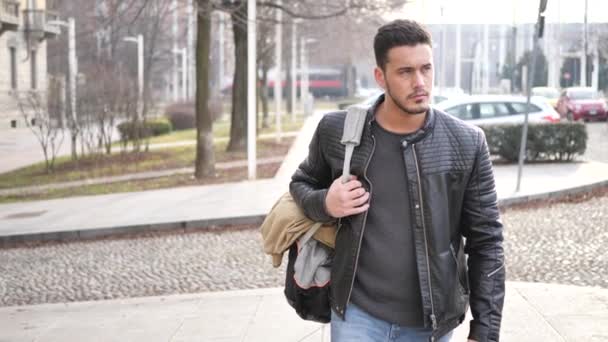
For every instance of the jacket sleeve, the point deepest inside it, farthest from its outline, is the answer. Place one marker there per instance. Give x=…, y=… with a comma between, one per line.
x=484, y=236
x=310, y=182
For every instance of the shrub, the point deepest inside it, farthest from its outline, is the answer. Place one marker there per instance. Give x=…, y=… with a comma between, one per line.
x=546, y=142
x=154, y=127
x=159, y=126
x=182, y=114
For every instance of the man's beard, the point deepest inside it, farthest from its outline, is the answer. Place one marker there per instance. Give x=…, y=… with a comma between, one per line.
x=421, y=109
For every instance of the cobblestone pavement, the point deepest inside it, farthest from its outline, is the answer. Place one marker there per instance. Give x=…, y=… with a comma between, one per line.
x=563, y=243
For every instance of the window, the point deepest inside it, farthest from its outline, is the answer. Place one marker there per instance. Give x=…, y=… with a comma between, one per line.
x=33, y=69
x=464, y=111
x=520, y=108
x=13, y=54
x=486, y=110
x=493, y=110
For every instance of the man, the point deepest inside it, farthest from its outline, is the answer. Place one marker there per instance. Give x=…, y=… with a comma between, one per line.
x=422, y=184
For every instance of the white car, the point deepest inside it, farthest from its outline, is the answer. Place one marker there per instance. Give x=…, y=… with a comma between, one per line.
x=369, y=101
x=498, y=109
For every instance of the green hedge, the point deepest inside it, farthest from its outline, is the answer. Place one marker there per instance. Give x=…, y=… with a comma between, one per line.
x=152, y=128
x=546, y=141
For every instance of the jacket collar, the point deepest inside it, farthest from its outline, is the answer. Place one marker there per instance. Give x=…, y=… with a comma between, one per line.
x=427, y=127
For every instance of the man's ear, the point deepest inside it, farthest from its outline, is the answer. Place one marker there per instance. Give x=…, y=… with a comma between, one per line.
x=379, y=76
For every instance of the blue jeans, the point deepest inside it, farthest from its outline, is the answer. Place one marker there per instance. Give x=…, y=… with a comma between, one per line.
x=359, y=326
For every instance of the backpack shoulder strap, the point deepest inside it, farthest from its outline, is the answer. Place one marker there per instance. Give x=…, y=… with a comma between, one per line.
x=351, y=137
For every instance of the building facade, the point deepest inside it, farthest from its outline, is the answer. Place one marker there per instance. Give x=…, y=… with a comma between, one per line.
x=24, y=29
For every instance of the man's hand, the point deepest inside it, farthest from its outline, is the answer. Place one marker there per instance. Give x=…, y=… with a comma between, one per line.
x=346, y=199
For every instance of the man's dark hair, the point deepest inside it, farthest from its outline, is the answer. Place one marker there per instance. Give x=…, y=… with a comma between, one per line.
x=398, y=33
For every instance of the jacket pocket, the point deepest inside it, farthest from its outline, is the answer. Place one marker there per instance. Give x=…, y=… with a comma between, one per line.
x=461, y=271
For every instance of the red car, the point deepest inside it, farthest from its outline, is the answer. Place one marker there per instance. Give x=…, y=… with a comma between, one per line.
x=582, y=103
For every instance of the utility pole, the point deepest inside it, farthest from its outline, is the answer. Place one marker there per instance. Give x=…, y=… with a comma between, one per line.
x=278, y=79
x=538, y=35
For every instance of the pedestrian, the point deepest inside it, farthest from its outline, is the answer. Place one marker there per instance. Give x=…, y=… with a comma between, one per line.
x=422, y=184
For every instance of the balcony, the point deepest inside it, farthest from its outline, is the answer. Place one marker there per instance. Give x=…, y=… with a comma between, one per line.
x=36, y=26
x=9, y=15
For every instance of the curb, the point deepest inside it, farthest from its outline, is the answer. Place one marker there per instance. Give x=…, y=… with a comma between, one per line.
x=551, y=195
x=221, y=223
x=124, y=231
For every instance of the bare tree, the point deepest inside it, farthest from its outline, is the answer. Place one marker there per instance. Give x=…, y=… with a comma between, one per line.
x=305, y=10
x=34, y=110
x=100, y=41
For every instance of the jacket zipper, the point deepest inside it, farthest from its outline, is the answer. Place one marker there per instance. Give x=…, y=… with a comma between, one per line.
x=352, y=283
x=426, y=247
x=496, y=270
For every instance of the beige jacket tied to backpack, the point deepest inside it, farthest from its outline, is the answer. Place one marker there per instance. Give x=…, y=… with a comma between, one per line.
x=285, y=223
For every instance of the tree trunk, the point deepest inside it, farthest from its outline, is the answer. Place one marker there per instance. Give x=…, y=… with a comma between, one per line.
x=205, y=157
x=238, y=121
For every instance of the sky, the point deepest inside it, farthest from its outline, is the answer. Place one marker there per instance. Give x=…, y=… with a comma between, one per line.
x=502, y=11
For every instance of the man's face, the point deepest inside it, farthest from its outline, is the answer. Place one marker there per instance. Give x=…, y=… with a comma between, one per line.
x=407, y=77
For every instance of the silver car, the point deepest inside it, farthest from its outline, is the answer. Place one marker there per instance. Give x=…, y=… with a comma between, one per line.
x=498, y=109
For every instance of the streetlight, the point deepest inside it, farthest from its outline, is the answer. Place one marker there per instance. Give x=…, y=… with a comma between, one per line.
x=72, y=72
x=72, y=62
x=139, y=40
x=184, y=56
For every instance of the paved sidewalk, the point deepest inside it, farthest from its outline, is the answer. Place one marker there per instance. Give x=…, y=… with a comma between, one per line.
x=235, y=203
x=532, y=312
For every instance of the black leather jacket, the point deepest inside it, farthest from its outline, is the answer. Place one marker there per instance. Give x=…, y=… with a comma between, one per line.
x=451, y=184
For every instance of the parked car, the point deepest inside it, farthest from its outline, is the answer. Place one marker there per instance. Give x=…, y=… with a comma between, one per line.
x=435, y=98
x=584, y=103
x=498, y=109
x=551, y=94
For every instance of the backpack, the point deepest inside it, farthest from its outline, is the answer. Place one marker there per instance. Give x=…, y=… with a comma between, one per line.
x=307, y=280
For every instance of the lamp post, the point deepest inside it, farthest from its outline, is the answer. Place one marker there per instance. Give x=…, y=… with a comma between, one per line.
x=72, y=72
x=538, y=35
x=139, y=40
